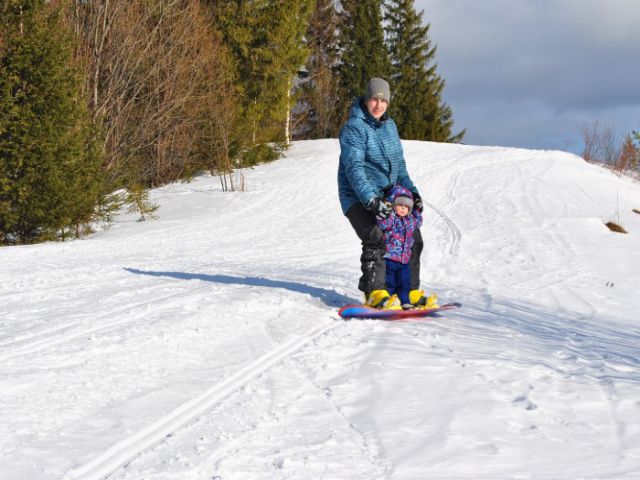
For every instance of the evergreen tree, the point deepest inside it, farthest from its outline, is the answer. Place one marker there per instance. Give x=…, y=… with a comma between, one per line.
x=364, y=54
x=318, y=110
x=417, y=106
x=49, y=170
x=266, y=41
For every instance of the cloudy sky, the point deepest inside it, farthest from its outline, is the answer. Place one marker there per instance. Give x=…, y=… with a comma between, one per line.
x=532, y=73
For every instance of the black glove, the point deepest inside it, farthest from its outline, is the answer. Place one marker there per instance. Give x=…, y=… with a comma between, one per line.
x=380, y=208
x=417, y=202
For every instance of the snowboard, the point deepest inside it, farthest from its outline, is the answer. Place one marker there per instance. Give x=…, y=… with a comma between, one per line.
x=363, y=311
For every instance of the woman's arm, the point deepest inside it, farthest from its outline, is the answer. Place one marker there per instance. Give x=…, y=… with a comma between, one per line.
x=352, y=156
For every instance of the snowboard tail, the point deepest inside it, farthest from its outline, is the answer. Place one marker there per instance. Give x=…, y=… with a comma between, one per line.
x=364, y=311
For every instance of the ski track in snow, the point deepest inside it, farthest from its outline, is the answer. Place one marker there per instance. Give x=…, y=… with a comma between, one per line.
x=208, y=446
x=206, y=345
x=456, y=235
x=50, y=338
x=121, y=453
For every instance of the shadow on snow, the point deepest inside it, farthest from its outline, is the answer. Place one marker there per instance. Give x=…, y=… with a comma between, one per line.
x=330, y=298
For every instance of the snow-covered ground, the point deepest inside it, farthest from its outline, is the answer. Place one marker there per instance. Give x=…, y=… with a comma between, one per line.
x=206, y=344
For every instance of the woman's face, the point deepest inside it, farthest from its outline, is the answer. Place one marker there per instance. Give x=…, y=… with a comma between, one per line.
x=377, y=107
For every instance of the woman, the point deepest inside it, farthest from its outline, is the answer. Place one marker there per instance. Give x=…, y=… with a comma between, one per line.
x=371, y=162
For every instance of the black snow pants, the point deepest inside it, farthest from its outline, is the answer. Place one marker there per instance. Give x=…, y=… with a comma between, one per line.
x=372, y=260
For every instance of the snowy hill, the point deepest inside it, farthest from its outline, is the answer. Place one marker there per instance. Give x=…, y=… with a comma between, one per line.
x=206, y=345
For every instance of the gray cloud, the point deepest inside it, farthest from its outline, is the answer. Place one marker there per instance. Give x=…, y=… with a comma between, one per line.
x=531, y=72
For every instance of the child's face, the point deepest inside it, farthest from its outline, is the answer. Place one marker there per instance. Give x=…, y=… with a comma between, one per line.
x=401, y=210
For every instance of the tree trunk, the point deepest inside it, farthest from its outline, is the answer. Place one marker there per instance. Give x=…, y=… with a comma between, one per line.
x=287, y=126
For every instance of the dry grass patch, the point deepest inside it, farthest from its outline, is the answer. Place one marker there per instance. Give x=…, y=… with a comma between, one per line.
x=614, y=227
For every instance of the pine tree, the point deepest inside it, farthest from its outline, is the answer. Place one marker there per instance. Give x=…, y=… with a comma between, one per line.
x=364, y=54
x=417, y=106
x=138, y=199
x=265, y=38
x=318, y=109
x=49, y=170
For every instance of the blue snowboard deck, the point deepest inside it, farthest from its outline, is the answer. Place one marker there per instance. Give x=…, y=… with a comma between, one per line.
x=363, y=311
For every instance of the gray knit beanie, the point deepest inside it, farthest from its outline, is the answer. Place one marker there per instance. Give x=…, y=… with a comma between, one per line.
x=377, y=88
x=402, y=200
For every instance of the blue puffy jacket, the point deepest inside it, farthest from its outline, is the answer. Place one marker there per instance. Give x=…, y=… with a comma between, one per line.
x=371, y=158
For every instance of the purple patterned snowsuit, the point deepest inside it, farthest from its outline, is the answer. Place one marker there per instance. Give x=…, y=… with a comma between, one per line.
x=398, y=239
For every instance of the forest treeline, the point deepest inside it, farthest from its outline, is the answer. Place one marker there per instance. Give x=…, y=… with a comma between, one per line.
x=102, y=99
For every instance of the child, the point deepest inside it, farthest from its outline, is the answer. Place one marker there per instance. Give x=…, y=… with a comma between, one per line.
x=398, y=231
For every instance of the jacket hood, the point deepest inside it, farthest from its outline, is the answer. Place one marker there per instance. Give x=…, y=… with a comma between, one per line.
x=397, y=191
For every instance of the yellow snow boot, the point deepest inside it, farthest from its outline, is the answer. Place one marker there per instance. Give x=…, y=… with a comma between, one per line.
x=420, y=300
x=382, y=300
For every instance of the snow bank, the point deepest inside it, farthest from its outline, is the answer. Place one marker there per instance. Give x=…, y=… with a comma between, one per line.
x=206, y=345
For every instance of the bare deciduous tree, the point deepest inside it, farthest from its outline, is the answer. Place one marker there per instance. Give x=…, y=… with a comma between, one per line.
x=160, y=87
x=601, y=144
